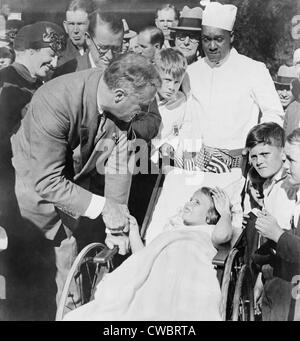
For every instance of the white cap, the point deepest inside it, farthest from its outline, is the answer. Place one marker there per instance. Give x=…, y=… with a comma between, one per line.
x=220, y=16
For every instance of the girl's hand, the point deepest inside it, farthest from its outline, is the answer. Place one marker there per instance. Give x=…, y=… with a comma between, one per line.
x=221, y=201
x=133, y=225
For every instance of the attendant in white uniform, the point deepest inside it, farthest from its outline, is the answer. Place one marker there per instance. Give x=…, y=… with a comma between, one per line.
x=231, y=88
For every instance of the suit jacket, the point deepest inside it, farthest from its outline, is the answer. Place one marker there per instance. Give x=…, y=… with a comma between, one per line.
x=75, y=64
x=292, y=117
x=62, y=116
x=70, y=52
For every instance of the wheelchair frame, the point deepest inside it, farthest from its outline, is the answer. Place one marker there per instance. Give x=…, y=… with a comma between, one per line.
x=231, y=264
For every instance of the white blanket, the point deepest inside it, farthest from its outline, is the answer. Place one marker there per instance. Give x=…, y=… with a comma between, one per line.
x=171, y=279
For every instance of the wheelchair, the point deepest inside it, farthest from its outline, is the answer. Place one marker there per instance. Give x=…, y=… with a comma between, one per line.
x=232, y=264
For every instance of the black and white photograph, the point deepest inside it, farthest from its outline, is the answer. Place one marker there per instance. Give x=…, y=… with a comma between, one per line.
x=149, y=163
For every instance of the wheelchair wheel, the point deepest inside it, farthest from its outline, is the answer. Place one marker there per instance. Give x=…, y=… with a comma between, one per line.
x=85, y=273
x=243, y=301
x=229, y=280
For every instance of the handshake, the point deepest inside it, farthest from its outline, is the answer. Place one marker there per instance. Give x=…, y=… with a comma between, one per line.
x=119, y=223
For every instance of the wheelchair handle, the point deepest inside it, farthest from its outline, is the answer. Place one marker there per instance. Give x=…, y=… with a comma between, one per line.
x=106, y=255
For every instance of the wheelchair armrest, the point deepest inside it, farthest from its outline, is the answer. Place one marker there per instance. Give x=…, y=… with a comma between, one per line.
x=106, y=255
x=221, y=256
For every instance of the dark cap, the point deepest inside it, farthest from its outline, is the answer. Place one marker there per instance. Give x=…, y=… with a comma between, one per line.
x=40, y=35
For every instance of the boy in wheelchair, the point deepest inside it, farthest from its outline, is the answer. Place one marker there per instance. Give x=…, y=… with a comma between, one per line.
x=267, y=189
x=172, y=278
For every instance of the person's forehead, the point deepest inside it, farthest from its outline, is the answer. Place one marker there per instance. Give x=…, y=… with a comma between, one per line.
x=292, y=150
x=78, y=15
x=263, y=148
x=144, y=38
x=105, y=35
x=214, y=31
x=168, y=75
x=167, y=13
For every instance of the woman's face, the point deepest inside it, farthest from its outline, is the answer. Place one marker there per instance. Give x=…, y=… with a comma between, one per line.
x=195, y=211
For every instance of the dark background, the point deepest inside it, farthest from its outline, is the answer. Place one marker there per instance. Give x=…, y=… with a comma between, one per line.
x=262, y=30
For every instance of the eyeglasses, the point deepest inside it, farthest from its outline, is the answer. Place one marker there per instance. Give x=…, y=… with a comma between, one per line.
x=103, y=49
x=192, y=37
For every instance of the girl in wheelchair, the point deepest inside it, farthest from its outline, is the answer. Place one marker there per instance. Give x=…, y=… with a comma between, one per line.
x=172, y=278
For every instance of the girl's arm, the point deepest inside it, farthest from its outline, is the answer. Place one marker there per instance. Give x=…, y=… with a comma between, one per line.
x=135, y=239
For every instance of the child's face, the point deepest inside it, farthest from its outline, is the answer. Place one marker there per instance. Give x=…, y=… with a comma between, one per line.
x=266, y=159
x=195, y=211
x=170, y=85
x=4, y=62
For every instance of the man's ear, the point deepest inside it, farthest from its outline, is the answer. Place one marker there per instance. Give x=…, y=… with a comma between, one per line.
x=157, y=46
x=65, y=26
x=87, y=39
x=231, y=37
x=282, y=155
x=156, y=22
x=119, y=95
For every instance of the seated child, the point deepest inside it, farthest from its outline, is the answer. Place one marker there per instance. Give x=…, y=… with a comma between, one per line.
x=268, y=189
x=6, y=57
x=172, y=278
x=179, y=130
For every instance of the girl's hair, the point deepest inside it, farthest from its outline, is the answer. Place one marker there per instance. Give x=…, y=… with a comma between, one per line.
x=213, y=215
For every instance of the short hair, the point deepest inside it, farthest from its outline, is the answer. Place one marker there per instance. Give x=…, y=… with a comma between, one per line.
x=97, y=17
x=294, y=137
x=6, y=52
x=213, y=215
x=132, y=72
x=156, y=35
x=87, y=6
x=268, y=133
x=167, y=7
x=172, y=62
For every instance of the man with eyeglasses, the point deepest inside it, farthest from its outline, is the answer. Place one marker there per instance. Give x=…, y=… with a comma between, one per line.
x=90, y=110
x=232, y=89
x=76, y=25
x=292, y=112
x=104, y=39
x=188, y=32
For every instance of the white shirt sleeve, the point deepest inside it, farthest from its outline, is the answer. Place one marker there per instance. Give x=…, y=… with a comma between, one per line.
x=3, y=239
x=95, y=207
x=266, y=96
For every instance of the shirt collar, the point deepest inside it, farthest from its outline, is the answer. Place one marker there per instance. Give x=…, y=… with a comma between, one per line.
x=231, y=54
x=93, y=65
x=24, y=72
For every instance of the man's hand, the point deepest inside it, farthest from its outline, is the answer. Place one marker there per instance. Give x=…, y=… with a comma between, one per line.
x=122, y=241
x=115, y=216
x=267, y=226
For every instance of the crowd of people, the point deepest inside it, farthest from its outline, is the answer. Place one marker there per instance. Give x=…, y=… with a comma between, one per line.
x=90, y=111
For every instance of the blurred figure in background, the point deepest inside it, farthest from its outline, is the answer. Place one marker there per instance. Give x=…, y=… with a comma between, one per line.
x=6, y=57
x=166, y=17
x=187, y=34
x=292, y=115
x=128, y=35
x=150, y=40
x=76, y=25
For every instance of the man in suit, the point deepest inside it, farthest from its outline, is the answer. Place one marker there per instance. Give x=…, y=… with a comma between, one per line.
x=92, y=110
x=284, y=247
x=104, y=39
x=76, y=25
